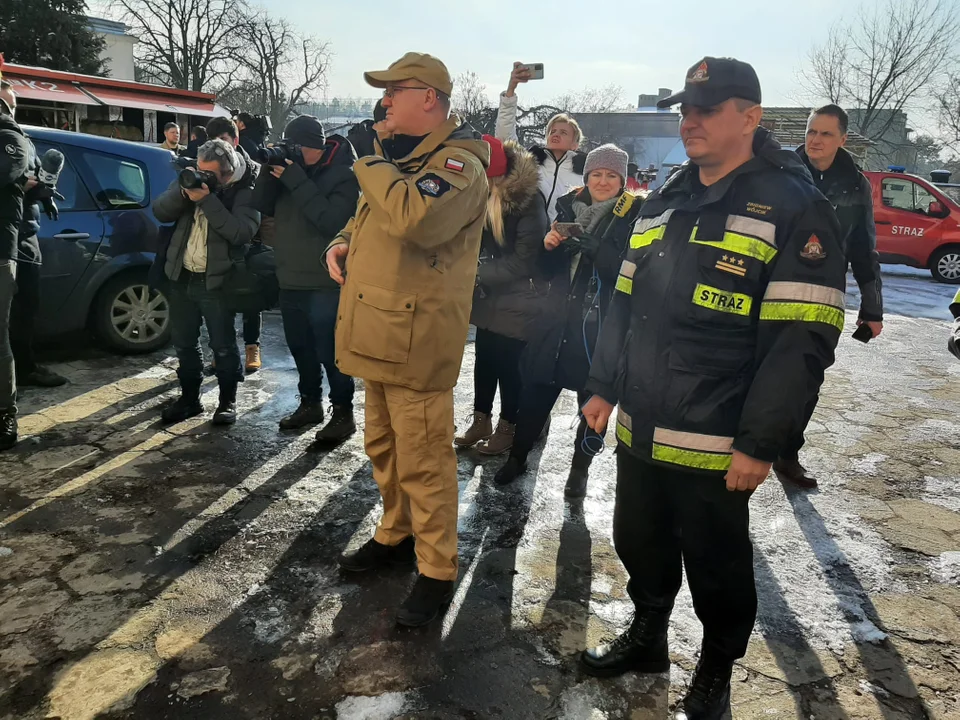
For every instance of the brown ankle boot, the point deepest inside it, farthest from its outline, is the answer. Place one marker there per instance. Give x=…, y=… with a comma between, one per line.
x=501, y=441
x=481, y=429
x=253, y=359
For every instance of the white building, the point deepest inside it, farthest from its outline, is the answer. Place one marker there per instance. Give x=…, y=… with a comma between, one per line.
x=118, y=52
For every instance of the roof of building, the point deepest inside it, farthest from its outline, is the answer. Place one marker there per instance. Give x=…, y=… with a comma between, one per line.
x=107, y=27
x=789, y=125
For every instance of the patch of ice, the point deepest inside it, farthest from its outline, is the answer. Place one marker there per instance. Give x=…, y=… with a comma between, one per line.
x=867, y=465
x=946, y=568
x=5, y=552
x=381, y=707
x=944, y=492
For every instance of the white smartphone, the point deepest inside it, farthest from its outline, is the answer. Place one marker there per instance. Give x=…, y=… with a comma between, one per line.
x=535, y=70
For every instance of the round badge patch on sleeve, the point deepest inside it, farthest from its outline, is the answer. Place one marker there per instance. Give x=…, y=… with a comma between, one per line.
x=813, y=250
x=11, y=149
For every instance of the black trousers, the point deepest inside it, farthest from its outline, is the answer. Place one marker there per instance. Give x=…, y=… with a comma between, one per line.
x=666, y=520
x=497, y=363
x=791, y=451
x=252, y=327
x=23, y=317
x=536, y=404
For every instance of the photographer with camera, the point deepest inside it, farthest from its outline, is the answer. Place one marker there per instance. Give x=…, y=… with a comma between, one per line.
x=308, y=187
x=212, y=206
x=253, y=132
x=14, y=157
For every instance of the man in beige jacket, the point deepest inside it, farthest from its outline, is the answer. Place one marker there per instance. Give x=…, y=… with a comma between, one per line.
x=407, y=261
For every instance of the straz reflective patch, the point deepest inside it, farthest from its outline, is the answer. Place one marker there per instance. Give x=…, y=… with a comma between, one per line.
x=715, y=299
x=732, y=264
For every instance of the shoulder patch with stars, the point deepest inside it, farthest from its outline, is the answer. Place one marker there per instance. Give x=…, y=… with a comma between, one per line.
x=431, y=185
x=813, y=250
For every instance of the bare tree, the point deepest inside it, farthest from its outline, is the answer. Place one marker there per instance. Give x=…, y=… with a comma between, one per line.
x=592, y=100
x=471, y=102
x=948, y=111
x=885, y=62
x=188, y=44
x=280, y=69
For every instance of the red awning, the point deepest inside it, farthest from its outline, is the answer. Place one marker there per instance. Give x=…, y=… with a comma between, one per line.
x=152, y=101
x=61, y=92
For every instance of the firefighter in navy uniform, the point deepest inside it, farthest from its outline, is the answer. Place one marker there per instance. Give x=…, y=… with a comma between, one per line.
x=729, y=306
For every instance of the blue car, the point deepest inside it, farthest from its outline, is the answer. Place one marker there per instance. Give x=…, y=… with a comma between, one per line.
x=96, y=256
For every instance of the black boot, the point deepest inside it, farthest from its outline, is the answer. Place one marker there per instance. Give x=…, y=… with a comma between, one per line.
x=226, y=413
x=41, y=377
x=373, y=555
x=708, y=697
x=186, y=406
x=310, y=412
x=425, y=602
x=341, y=426
x=8, y=430
x=642, y=648
x=576, y=482
x=513, y=469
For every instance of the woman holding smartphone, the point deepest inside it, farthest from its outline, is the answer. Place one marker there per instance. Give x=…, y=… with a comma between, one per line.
x=582, y=262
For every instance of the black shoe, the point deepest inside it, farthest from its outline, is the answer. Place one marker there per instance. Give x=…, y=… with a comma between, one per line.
x=708, y=697
x=309, y=413
x=41, y=377
x=642, y=648
x=185, y=407
x=513, y=469
x=576, y=483
x=226, y=413
x=791, y=470
x=8, y=430
x=341, y=426
x=425, y=602
x=373, y=555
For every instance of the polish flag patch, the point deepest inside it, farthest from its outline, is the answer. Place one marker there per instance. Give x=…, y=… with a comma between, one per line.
x=452, y=164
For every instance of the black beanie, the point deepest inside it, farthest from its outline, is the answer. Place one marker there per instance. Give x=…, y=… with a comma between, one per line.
x=306, y=130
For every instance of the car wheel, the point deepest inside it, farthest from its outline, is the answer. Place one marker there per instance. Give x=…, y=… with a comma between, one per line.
x=130, y=317
x=945, y=265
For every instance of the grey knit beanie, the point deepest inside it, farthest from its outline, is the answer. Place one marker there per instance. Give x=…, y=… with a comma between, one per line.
x=607, y=157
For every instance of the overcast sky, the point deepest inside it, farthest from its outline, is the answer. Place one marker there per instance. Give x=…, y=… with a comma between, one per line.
x=638, y=45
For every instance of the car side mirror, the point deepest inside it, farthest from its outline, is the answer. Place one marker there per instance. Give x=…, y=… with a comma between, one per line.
x=936, y=209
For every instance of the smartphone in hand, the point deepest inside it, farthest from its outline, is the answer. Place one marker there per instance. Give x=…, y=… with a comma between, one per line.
x=535, y=70
x=568, y=230
x=863, y=333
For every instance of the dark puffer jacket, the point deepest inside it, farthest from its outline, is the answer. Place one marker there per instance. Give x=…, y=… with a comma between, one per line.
x=505, y=301
x=232, y=225
x=852, y=198
x=562, y=342
x=14, y=159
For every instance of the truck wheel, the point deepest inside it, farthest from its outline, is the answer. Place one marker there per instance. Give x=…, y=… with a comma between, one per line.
x=945, y=265
x=129, y=317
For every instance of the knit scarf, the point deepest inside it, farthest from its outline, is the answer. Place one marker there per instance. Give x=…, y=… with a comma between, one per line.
x=590, y=216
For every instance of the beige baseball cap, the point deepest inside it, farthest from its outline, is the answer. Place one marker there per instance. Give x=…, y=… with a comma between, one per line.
x=414, y=66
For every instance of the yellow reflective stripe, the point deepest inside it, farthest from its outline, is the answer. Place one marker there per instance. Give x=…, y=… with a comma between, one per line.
x=760, y=229
x=691, y=458
x=802, y=312
x=715, y=299
x=805, y=292
x=624, y=428
x=627, y=268
x=956, y=298
x=693, y=441
x=647, y=238
x=624, y=285
x=742, y=244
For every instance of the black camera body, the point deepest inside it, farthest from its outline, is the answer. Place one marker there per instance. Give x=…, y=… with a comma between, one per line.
x=280, y=153
x=192, y=179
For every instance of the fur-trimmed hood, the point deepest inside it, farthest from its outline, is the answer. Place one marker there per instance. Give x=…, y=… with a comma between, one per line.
x=521, y=183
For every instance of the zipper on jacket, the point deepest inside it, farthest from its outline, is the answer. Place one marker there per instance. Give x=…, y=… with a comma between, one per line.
x=556, y=175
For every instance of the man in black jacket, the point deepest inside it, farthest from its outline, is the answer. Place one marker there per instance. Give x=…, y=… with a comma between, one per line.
x=837, y=176
x=14, y=158
x=251, y=137
x=311, y=197
x=728, y=309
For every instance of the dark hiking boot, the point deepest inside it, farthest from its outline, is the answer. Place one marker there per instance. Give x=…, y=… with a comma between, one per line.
x=41, y=377
x=481, y=429
x=577, y=482
x=791, y=470
x=642, y=648
x=226, y=413
x=512, y=469
x=373, y=555
x=341, y=426
x=8, y=430
x=426, y=601
x=708, y=697
x=309, y=413
x=186, y=406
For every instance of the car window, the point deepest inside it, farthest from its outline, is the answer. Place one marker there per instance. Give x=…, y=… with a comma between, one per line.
x=76, y=197
x=903, y=194
x=122, y=182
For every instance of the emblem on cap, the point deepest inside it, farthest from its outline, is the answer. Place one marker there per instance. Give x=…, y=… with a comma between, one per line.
x=813, y=250
x=700, y=74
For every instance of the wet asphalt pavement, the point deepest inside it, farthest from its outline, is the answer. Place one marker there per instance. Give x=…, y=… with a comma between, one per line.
x=190, y=572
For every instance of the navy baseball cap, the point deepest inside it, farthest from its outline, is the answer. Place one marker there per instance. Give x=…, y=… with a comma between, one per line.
x=715, y=80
